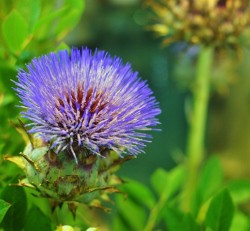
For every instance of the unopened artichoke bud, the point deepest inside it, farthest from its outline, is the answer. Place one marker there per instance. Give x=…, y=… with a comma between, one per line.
x=218, y=23
x=89, y=112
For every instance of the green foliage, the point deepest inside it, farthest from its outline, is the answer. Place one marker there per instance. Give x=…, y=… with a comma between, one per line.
x=15, y=31
x=207, y=187
x=17, y=198
x=36, y=218
x=215, y=208
x=220, y=212
x=4, y=206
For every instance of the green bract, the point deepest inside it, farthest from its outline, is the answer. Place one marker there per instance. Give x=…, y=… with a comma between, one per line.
x=59, y=178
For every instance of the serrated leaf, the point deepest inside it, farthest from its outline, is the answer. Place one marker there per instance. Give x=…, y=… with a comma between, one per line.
x=15, y=216
x=4, y=206
x=15, y=31
x=139, y=193
x=220, y=212
x=36, y=218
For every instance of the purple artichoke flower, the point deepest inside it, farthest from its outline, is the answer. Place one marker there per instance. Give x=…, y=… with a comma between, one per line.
x=87, y=101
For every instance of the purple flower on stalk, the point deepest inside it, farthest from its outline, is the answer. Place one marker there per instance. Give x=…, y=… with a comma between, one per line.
x=87, y=101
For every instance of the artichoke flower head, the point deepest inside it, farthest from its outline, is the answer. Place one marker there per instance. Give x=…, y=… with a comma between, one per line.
x=88, y=113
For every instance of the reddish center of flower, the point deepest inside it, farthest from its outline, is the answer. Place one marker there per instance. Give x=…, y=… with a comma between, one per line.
x=93, y=102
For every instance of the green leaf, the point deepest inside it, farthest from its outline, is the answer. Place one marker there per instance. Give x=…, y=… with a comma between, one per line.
x=30, y=10
x=220, y=212
x=59, y=21
x=240, y=191
x=14, y=218
x=131, y=213
x=172, y=218
x=62, y=46
x=168, y=183
x=159, y=179
x=119, y=224
x=45, y=25
x=177, y=221
x=15, y=31
x=36, y=218
x=188, y=223
x=240, y=222
x=70, y=18
x=139, y=193
x=209, y=182
x=4, y=206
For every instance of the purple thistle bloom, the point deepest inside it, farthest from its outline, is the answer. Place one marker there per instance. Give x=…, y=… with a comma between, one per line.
x=85, y=100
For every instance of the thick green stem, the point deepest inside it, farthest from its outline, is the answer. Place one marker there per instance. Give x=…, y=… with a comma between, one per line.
x=195, y=143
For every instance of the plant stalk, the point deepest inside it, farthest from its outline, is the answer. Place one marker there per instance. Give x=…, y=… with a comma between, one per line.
x=156, y=210
x=197, y=126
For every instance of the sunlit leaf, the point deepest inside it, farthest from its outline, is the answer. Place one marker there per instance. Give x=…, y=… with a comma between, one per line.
x=45, y=24
x=220, y=212
x=30, y=10
x=15, y=31
x=18, y=160
x=58, y=22
x=240, y=191
x=70, y=228
x=70, y=18
x=240, y=222
x=62, y=46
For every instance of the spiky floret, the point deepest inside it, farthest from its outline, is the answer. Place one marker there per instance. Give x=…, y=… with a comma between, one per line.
x=86, y=100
